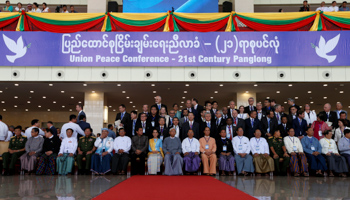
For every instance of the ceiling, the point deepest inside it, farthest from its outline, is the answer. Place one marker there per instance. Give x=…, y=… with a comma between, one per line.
x=48, y=96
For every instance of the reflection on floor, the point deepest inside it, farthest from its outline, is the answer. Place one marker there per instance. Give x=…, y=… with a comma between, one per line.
x=87, y=187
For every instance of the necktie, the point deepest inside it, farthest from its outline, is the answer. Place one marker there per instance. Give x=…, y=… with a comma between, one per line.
x=191, y=125
x=284, y=125
x=161, y=130
x=143, y=124
x=217, y=122
x=252, y=123
x=235, y=121
x=229, y=130
x=251, y=108
x=159, y=106
x=185, y=119
x=327, y=116
x=122, y=115
x=171, y=121
x=208, y=124
x=278, y=117
x=300, y=122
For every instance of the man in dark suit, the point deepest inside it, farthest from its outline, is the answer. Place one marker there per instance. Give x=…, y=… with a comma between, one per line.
x=330, y=116
x=278, y=113
x=251, y=124
x=80, y=111
x=51, y=127
x=159, y=105
x=250, y=107
x=343, y=116
x=219, y=122
x=82, y=123
x=268, y=125
x=305, y=7
x=225, y=113
x=208, y=123
x=300, y=125
x=284, y=126
x=189, y=107
x=153, y=118
x=145, y=125
x=190, y=124
x=259, y=112
x=214, y=107
x=232, y=106
x=208, y=108
x=268, y=107
x=237, y=122
x=144, y=110
x=291, y=102
x=131, y=129
x=197, y=109
x=162, y=129
x=293, y=115
x=123, y=116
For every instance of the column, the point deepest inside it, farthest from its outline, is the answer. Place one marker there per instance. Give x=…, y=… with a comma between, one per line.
x=97, y=6
x=246, y=6
x=242, y=99
x=94, y=108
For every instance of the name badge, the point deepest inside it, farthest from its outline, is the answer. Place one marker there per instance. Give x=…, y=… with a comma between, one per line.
x=320, y=133
x=294, y=148
x=224, y=148
x=207, y=146
x=161, y=137
x=240, y=147
x=153, y=123
x=312, y=148
x=257, y=148
x=330, y=150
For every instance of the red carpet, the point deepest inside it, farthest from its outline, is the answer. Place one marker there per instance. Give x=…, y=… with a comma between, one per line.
x=173, y=187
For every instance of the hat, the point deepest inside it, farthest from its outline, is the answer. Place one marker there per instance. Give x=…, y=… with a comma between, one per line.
x=29, y=4
x=104, y=129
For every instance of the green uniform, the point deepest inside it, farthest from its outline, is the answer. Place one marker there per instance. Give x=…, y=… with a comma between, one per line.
x=15, y=144
x=85, y=144
x=277, y=144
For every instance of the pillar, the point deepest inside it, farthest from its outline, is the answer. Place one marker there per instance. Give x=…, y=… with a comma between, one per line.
x=246, y=6
x=242, y=98
x=94, y=108
x=97, y=6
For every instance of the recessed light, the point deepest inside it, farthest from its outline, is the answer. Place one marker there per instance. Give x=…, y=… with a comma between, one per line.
x=93, y=91
x=311, y=102
x=290, y=85
x=183, y=97
x=348, y=107
x=212, y=97
x=50, y=84
x=48, y=110
x=70, y=110
x=255, y=85
x=54, y=102
x=28, y=101
x=16, y=84
x=216, y=92
x=127, y=97
x=296, y=97
x=63, y=106
x=267, y=97
x=16, y=97
x=2, y=101
x=15, y=106
x=110, y=106
x=32, y=91
x=301, y=106
x=154, y=91
x=153, y=85
x=221, y=85
x=84, y=84
x=26, y=110
x=72, y=97
x=39, y=106
x=136, y=110
x=309, y=92
x=277, y=92
x=62, y=91
x=246, y=91
x=185, y=92
x=44, y=97
x=133, y=106
x=113, y=110
x=119, y=85
x=341, y=92
x=181, y=106
x=187, y=85
x=4, y=110
x=324, y=97
x=79, y=101
x=0, y=91
x=130, y=101
x=182, y=102
x=123, y=91
x=285, y=102
x=325, y=85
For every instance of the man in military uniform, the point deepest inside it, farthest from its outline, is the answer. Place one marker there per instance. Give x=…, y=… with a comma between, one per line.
x=16, y=149
x=86, y=148
x=279, y=153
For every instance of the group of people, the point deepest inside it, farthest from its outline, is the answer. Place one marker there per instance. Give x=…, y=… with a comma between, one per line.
x=333, y=8
x=251, y=139
x=35, y=8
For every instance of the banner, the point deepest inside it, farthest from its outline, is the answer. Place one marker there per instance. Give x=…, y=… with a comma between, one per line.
x=329, y=48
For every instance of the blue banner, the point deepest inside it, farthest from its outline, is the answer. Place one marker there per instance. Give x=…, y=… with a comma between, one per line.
x=323, y=48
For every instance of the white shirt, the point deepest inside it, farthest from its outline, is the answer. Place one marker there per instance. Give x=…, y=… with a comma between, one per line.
x=324, y=9
x=69, y=145
x=339, y=134
x=333, y=9
x=46, y=10
x=177, y=129
x=76, y=130
x=290, y=142
x=328, y=146
x=229, y=131
x=106, y=143
x=241, y=144
x=259, y=114
x=242, y=115
x=312, y=118
x=17, y=9
x=190, y=145
x=9, y=135
x=65, y=11
x=3, y=130
x=259, y=146
x=36, y=11
x=28, y=132
x=123, y=143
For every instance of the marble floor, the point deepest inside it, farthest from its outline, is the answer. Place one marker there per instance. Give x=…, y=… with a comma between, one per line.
x=86, y=187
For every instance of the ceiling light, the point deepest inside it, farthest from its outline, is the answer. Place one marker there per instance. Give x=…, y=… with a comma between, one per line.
x=285, y=102
x=48, y=110
x=153, y=85
x=182, y=102
x=84, y=84
x=4, y=110
x=123, y=92
x=296, y=97
x=28, y=101
x=0, y=91
x=246, y=91
x=63, y=106
x=79, y=101
x=311, y=102
x=183, y=97
x=16, y=97
x=267, y=97
x=154, y=91
x=277, y=92
x=113, y=110
x=39, y=106
x=32, y=91
x=325, y=85
x=255, y=85
x=136, y=110
x=290, y=85
x=72, y=97
x=15, y=106
x=133, y=106
x=44, y=97
x=216, y=92
x=26, y=110
x=93, y=91
x=212, y=97
x=119, y=85
x=221, y=85
x=50, y=84
x=181, y=106
x=185, y=92
x=187, y=85
x=341, y=92
x=110, y=106
x=54, y=102
x=309, y=92
x=16, y=84
x=130, y=101
x=324, y=97
x=70, y=110
x=127, y=97
x=62, y=91
x=2, y=101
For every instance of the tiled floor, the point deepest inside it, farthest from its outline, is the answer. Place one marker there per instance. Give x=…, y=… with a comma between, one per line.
x=87, y=187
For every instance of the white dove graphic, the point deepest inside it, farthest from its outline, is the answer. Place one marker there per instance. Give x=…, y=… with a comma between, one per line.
x=324, y=48
x=18, y=48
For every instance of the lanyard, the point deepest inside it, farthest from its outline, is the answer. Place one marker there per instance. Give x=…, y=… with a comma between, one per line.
x=240, y=138
x=291, y=139
x=190, y=141
x=223, y=141
x=257, y=141
x=206, y=139
x=328, y=141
